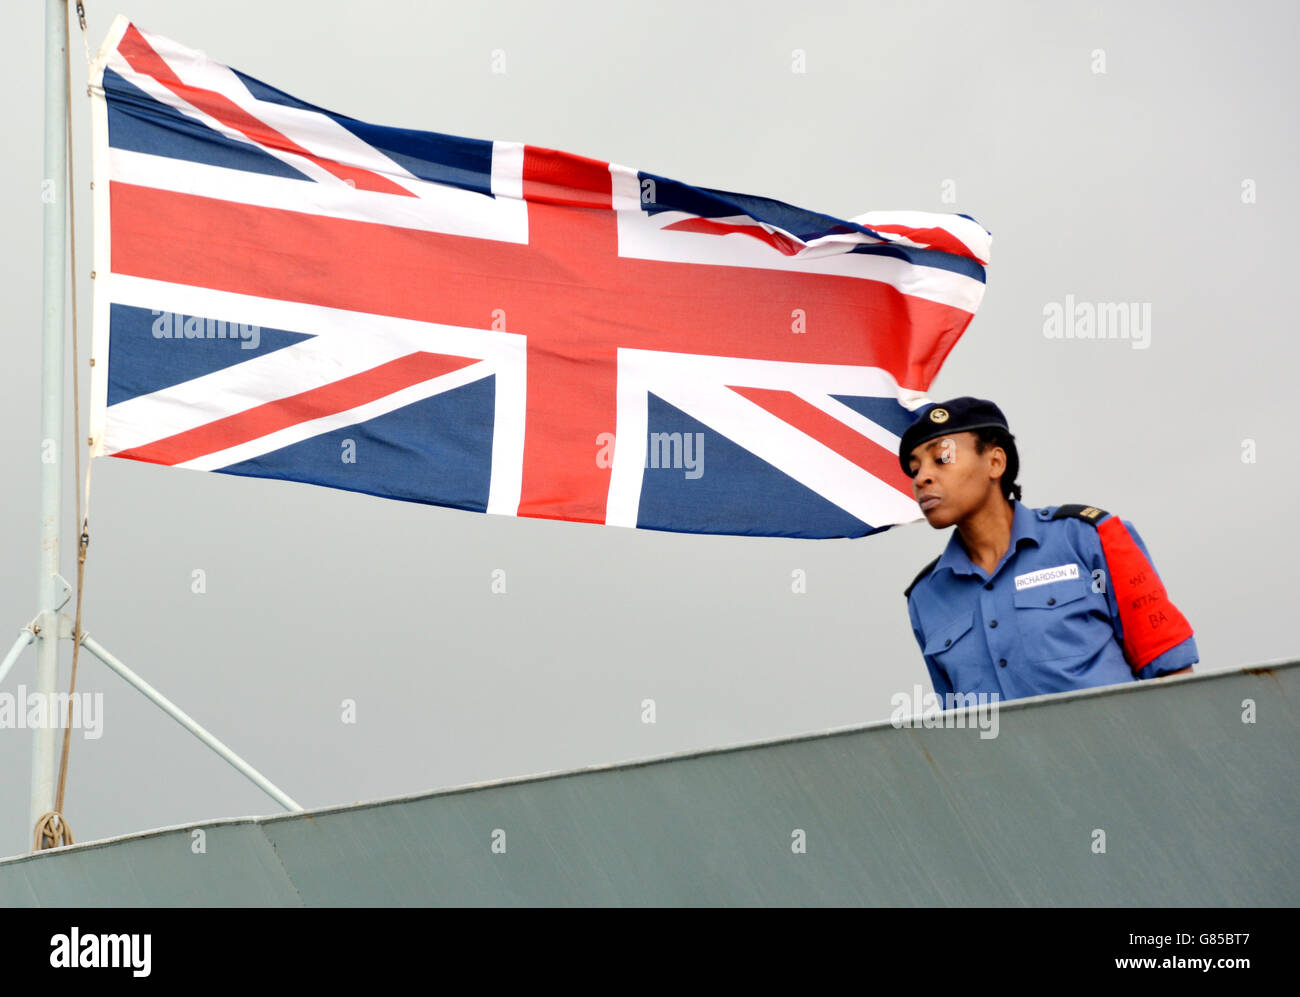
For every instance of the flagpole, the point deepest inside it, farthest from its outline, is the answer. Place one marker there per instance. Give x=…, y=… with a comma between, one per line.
x=53, y=195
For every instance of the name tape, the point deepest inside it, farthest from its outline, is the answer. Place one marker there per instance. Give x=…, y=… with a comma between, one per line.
x=1045, y=575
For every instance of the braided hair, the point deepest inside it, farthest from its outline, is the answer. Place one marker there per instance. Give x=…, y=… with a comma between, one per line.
x=996, y=436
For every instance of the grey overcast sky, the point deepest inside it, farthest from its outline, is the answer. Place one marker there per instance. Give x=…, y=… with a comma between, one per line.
x=1132, y=185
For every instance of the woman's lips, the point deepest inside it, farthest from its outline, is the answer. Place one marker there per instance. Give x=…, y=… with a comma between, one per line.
x=929, y=502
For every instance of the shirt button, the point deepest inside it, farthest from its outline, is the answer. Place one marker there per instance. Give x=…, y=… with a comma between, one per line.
x=947, y=642
x=989, y=586
x=1051, y=602
x=1002, y=662
x=993, y=623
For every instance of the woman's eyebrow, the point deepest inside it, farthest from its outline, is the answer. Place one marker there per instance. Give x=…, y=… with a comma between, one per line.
x=926, y=448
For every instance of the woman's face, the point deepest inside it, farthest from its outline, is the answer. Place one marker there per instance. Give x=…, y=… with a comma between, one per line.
x=950, y=480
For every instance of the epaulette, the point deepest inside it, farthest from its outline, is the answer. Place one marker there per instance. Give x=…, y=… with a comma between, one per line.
x=1088, y=513
x=907, y=592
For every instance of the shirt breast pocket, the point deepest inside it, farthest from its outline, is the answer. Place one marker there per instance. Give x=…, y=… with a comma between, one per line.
x=953, y=648
x=1055, y=620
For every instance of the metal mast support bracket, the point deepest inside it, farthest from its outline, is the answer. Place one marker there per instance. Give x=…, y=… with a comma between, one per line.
x=28, y=634
x=63, y=592
x=186, y=721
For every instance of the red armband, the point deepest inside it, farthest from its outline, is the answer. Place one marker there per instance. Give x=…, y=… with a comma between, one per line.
x=1151, y=623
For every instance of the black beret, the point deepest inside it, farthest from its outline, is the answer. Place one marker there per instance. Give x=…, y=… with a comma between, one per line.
x=959, y=415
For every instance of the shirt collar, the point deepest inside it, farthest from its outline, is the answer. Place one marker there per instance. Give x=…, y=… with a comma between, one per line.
x=1024, y=529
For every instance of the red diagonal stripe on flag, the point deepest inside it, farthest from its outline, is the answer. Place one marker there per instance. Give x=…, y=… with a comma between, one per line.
x=782, y=243
x=329, y=399
x=829, y=431
x=143, y=59
x=934, y=238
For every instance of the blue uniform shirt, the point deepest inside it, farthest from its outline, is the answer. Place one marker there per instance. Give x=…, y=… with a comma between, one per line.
x=1060, y=629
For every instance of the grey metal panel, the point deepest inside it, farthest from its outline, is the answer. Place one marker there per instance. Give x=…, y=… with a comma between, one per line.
x=155, y=869
x=1196, y=806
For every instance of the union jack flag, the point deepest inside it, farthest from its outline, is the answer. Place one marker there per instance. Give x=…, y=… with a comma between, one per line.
x=286, y=292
